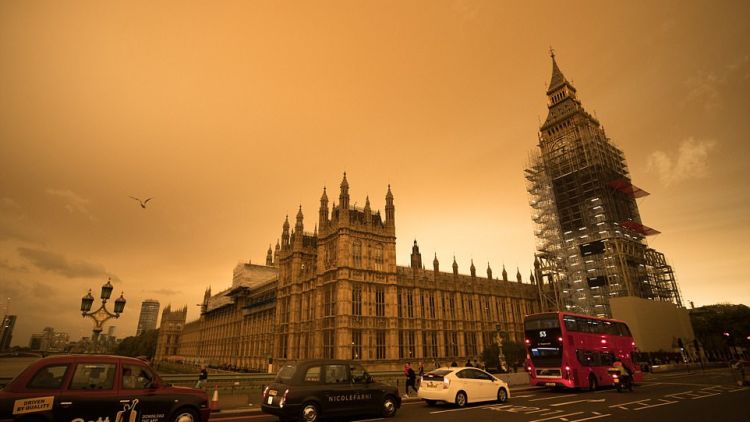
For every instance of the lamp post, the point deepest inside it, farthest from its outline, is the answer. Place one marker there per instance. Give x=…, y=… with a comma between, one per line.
x=101, y=315
x=500, y=355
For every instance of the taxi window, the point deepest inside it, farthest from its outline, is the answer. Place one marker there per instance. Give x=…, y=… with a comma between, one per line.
x=358, y=373
x=48, y=378
x=136, y=377
x=286, y=373
x=93, y=376
x=312, y=374
x=336, y=374
x=466, y=373
x=481, y=375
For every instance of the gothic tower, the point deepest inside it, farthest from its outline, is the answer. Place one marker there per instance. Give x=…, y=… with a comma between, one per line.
x=591, y=239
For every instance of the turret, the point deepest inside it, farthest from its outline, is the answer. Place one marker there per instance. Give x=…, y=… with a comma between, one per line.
x=416, y=257
x=455, y=266
x=368, y=211
x=390, y=210
x=344, y=195
x=436, y=264
x=299, y=229
x=276, y=252
x=323, y=218
x=531, y=277
x=269, y=256
x=473, y=269
x=505, y=274
x=489, y=272
x=285, y=233
x=518, y=275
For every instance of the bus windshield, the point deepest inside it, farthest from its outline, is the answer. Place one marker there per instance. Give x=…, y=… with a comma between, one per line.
x=544, y=339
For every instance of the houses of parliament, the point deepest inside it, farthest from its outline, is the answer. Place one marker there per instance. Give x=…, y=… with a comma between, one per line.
x=337, y=292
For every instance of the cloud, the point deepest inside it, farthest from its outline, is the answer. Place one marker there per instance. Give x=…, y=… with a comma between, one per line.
x=8, y=266
x=689, y=162
x=73, y=202
x=164, y=292
x=56, y=263
x=705, y=88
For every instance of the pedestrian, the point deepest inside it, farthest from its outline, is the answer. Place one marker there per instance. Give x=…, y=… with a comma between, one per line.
x=454, y=364
x=202, y=377
x=411, y=377
x=468, y=363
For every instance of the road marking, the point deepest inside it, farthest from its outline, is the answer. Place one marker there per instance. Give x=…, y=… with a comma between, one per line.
x=521, y=397
x=578, y=401
x=554, y=397
x=657, y=405
x=557, y=417
x=598, y=415
x=471, y=408
x=551, y=413
x=369, y=420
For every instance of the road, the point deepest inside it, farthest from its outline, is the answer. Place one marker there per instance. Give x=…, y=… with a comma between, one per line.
x=700, y=396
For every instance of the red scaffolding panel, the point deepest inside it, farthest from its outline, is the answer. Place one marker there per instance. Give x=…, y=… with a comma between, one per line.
x=626, y=187
x=639, y=228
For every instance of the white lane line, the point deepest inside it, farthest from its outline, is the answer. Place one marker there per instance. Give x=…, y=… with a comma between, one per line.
x=656, y=405
x=471, y=408
x=556, y=417
x=551, y=413
x=554, y=397
x=592, y=417
x=630, y=402
x=524, y=396
x=578, y=401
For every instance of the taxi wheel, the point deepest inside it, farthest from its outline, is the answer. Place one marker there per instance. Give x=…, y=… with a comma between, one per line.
x=389, y=407
x=185, y=415
x=310, y=412
x=461, y=399
x=502, y=395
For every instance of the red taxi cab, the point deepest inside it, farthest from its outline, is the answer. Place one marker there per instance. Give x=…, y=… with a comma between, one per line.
x=98, y=388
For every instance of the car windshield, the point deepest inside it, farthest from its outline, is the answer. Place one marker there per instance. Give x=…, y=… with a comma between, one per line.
x=440, y=372
x=286, y=373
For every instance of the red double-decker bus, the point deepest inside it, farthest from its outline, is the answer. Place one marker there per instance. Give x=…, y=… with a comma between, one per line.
x=575, y=351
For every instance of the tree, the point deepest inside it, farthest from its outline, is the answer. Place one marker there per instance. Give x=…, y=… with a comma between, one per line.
x=711, y=322
x=514, y=354
x=142, y=345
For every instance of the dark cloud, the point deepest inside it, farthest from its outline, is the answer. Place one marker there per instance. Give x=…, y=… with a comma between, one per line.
x=54, y=262
x=8, y=266
x=164, y=292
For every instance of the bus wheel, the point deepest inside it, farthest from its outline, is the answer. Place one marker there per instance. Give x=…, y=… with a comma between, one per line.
x=592, y=382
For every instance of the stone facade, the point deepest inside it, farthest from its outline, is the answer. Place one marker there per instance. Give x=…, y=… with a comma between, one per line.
x=339, y=294
x=168, y=342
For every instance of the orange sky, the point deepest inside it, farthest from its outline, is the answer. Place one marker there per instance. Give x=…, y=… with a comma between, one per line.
x=231, y=114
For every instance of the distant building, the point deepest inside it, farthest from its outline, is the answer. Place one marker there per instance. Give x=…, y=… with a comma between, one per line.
x=170, y=332
x=149, y=316
x=337, y=293
x=6, y=332
x=591, y=242
x=49, y=340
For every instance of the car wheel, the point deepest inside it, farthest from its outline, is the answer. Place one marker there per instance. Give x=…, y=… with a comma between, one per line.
x=185, y=415
x=310, y=412
x=389, y=407
x=461, y=399
x=430, y=402
x=592, y=383
x=502, y=395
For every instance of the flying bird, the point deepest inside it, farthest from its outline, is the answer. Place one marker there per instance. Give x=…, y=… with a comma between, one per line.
x=143, y=203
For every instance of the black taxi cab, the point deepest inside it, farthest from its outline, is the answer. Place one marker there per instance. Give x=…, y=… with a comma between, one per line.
x=312, y=389
x=97, y=388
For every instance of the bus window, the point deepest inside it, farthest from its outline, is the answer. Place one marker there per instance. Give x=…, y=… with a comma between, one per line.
x=585, y=357
x=542, y=322
x=623, y=329
x=571, y=323
x=610, y=328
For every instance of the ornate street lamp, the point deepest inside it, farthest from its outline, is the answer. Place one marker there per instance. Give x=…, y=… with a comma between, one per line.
x=500, y=355
x=101, y=315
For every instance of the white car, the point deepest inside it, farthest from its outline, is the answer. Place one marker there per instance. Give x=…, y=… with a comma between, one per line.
x=462, y=385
